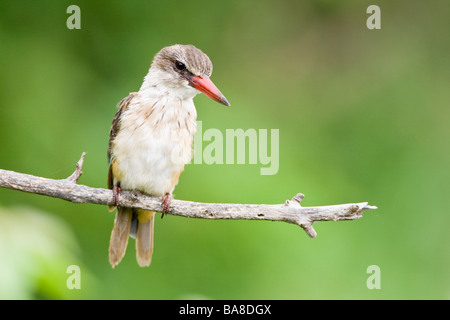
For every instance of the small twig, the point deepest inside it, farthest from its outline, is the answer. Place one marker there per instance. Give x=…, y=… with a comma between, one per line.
x=291, y=211
x=77, y=173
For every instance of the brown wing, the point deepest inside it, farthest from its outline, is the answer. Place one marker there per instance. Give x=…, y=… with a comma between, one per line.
x=115, y=127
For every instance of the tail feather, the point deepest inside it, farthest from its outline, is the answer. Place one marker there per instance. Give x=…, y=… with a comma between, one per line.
x=120, y=235
x=144, y=237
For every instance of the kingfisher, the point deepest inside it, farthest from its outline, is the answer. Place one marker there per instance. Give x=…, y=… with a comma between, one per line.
x=150, y=141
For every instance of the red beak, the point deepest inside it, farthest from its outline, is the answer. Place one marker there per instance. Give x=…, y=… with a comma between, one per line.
x=203, y=84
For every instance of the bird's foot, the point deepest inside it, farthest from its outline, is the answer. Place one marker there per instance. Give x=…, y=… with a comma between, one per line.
x=116, y=191
x=166, y=200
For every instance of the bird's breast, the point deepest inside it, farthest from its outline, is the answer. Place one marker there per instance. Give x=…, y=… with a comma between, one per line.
x=153, y=145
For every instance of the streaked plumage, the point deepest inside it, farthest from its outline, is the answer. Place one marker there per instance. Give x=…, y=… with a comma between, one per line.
x=151, y=140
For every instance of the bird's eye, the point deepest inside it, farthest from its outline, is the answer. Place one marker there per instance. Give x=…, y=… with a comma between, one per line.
x=180, y=65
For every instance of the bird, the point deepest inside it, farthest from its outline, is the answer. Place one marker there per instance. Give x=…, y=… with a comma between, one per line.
x=150, y=141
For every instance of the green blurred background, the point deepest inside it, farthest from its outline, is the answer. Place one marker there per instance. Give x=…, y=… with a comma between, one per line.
x=363, y=116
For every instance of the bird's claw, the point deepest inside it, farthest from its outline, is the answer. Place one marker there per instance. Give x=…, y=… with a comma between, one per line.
x=116, y=191
x=166, y=200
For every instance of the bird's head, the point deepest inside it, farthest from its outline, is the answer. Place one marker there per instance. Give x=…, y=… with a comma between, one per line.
x=186, y=69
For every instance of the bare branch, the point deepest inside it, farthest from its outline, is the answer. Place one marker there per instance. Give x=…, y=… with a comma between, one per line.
x=291, y=211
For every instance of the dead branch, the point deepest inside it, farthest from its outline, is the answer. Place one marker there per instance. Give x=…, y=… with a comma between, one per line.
x=291, y=211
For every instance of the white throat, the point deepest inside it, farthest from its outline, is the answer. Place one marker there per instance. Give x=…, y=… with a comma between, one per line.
x=159, y=84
